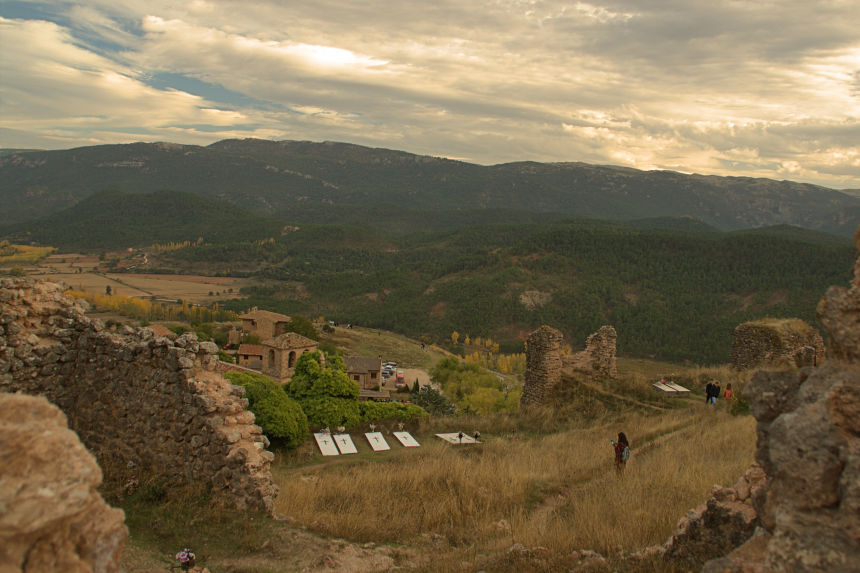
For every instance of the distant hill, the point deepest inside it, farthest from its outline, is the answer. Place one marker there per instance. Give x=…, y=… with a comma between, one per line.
x=113, y=220
x=293, y=179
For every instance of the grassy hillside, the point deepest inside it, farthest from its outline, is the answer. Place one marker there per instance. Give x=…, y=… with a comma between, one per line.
x=542, y=479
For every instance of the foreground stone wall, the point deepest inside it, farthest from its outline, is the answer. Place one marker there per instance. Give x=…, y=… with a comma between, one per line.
x=543, y=365
x=598, y=358
x=132, y=396
x=52, y=519
x=777, y=342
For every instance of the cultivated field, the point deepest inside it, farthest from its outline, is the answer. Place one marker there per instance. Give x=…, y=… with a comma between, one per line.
x=191, y=288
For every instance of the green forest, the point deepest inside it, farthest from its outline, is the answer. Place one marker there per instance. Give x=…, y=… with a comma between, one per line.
x=673, y=288
x=671, y=295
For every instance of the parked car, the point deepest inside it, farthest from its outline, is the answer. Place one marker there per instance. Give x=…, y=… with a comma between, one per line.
x=400, y=381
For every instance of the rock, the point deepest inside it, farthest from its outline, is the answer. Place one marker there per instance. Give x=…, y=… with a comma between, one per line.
x=53, y=519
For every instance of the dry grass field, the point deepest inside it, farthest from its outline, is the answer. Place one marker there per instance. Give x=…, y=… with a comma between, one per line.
x=191, y=288
x=557, y=491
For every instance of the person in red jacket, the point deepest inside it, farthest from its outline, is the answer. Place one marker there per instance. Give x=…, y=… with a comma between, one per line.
x=622, y=452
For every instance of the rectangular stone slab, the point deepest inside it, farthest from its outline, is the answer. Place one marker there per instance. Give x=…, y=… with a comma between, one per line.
x=377, y=441
x=406, y=439
x=344, y=444
x=326, y=444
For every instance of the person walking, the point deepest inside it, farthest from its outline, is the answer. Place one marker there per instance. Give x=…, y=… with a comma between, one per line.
x=709, y=391
x=622, y=452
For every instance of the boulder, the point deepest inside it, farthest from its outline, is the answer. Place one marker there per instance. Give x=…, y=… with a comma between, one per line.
x=52, y=519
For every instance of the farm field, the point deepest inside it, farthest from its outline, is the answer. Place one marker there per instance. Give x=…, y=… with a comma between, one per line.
x=192, y=288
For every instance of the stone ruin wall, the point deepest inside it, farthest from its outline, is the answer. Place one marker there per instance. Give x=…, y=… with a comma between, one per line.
x=598, y=358
x=544, y=361
x=776, y=343
x=543, y=365
x=53, y=518
x=132, y=396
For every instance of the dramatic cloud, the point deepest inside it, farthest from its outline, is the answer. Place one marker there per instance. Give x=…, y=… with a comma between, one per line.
x=729, y=88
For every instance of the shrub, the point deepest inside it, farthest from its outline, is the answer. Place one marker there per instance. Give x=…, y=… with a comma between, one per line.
x=281, y=417
x=332, y=412
x=373, y=411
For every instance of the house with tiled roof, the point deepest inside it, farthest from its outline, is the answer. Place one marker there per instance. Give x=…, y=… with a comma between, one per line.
x=264, y=324
x=366, y=371
x=250, y=356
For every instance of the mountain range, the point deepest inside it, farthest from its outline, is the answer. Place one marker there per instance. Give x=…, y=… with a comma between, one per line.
x=330, y=182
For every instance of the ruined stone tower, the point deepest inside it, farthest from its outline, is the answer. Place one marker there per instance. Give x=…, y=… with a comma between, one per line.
x=543, y=365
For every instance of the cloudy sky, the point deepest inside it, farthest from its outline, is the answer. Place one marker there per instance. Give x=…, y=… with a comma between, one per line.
x=742, y=87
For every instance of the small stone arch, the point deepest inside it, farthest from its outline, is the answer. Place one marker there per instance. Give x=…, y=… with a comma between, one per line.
x=271, y=358
x=291, y=360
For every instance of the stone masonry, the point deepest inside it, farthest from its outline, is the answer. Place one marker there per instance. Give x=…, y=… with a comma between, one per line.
x=543, y=365
x=598, y=358
x=132, y=396
x=776, y=342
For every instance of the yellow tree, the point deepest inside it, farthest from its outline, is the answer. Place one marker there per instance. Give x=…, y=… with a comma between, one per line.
x=455, y=337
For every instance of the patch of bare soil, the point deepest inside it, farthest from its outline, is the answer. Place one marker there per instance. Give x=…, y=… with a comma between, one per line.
x=288, y=550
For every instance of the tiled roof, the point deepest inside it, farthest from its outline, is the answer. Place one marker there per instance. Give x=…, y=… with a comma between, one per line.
x=273, y=316
x=362, y=363
x=290, y=340
x=250, y=349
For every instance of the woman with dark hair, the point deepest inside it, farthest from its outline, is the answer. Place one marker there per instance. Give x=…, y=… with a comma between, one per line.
x=622, y=451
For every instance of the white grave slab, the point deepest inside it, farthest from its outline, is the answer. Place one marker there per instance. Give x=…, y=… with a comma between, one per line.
x=670, y=388
x=454, y=438
x=406, y=439
x=344, y=444
x=326, y=444
x=377, y=441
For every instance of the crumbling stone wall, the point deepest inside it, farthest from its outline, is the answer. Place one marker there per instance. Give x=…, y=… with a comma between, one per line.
x=778, y=342
x=809, y=446
x=543, y=365
x=598, y=358
x=53, y=519
x=132, y=396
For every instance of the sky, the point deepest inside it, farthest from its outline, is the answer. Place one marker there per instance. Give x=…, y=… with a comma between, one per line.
x=753, y=88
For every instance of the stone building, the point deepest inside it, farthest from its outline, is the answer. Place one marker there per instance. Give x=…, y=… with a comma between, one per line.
x=280, y=354
x=250, y=356
x=264, y=324
x=366, y=371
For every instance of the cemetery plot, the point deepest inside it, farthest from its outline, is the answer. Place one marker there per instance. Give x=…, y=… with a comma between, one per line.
x=377, y=441
x=326, y=444
x=344, y=444
x=406, y=439
x=458, y=438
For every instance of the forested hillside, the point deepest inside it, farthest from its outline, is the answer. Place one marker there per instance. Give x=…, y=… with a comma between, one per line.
x=305, y=181
x=671, y=295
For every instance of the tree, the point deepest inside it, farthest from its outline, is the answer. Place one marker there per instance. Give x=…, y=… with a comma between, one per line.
x=303, y=326
x=323, y=388
x=107, y=290
x=455, y=337
x=281, y=417
x=434, y=402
